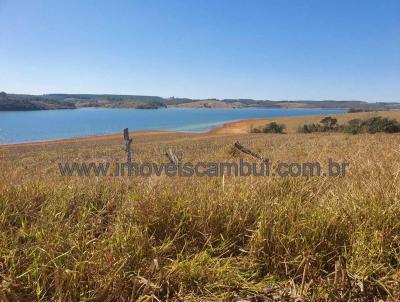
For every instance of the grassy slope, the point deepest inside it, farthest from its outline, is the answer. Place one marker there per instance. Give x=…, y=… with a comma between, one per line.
x=71, y=238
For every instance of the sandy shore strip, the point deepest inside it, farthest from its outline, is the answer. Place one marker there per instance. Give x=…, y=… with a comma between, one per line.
x=92, y=138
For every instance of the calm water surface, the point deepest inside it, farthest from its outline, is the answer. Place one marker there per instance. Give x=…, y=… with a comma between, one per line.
x=27, y=126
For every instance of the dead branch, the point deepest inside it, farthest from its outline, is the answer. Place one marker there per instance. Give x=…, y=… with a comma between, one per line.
x=248, y=151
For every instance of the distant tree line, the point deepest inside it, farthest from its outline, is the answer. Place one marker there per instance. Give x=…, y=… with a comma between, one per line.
x=70, y=101
x=22, y=102
x=354, y=126
x=13, y=102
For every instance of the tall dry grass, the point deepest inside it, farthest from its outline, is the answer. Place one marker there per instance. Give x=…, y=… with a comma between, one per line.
x=181, y=239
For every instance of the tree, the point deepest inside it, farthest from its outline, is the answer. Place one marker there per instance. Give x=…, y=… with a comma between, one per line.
x=329, y=122
x=274, y=128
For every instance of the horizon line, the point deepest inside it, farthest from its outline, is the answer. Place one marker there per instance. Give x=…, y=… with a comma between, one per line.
x=209, y=98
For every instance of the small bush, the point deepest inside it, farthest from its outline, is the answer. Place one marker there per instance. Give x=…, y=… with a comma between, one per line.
x=309, y=128
x=274, y=128
x=270, y=128
x=326, y=124
x=353, y=126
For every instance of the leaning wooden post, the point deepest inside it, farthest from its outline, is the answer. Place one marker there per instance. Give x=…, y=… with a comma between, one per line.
x=172, y=157
x=128, y=142
x=248, y=151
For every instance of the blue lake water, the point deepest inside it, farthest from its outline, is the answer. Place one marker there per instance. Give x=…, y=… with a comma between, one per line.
x=28, y=126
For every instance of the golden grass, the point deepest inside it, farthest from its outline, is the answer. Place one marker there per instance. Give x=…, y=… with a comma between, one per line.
x=181, y=239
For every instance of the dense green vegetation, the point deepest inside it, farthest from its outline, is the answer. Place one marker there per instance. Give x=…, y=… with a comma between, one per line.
x=354, y=126
x=18, y=102
x=372, y=125
x=15, y=102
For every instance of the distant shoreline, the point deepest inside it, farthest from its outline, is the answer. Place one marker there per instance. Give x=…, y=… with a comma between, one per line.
x=234, y=127
x=229, y=128
x=25, y=102
x=25, y=127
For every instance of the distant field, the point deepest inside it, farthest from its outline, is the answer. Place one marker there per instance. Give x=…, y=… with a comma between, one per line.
x=203, y=238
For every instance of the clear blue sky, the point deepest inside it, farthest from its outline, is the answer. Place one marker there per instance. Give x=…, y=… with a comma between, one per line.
x=282, y=49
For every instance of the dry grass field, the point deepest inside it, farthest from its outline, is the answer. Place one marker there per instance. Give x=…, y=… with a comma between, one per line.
x=203, y=238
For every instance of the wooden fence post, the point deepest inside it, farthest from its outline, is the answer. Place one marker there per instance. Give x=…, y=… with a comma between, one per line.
x=128, y=142
x=172, y=157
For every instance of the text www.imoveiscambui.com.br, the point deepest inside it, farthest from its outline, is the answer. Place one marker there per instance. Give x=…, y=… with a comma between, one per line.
x=211, y=169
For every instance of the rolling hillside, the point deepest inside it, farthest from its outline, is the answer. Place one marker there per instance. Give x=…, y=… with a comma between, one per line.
x=11, y=102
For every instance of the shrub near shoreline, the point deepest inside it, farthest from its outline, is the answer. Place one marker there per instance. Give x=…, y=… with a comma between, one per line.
x=354, y=126
x=270, y=128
